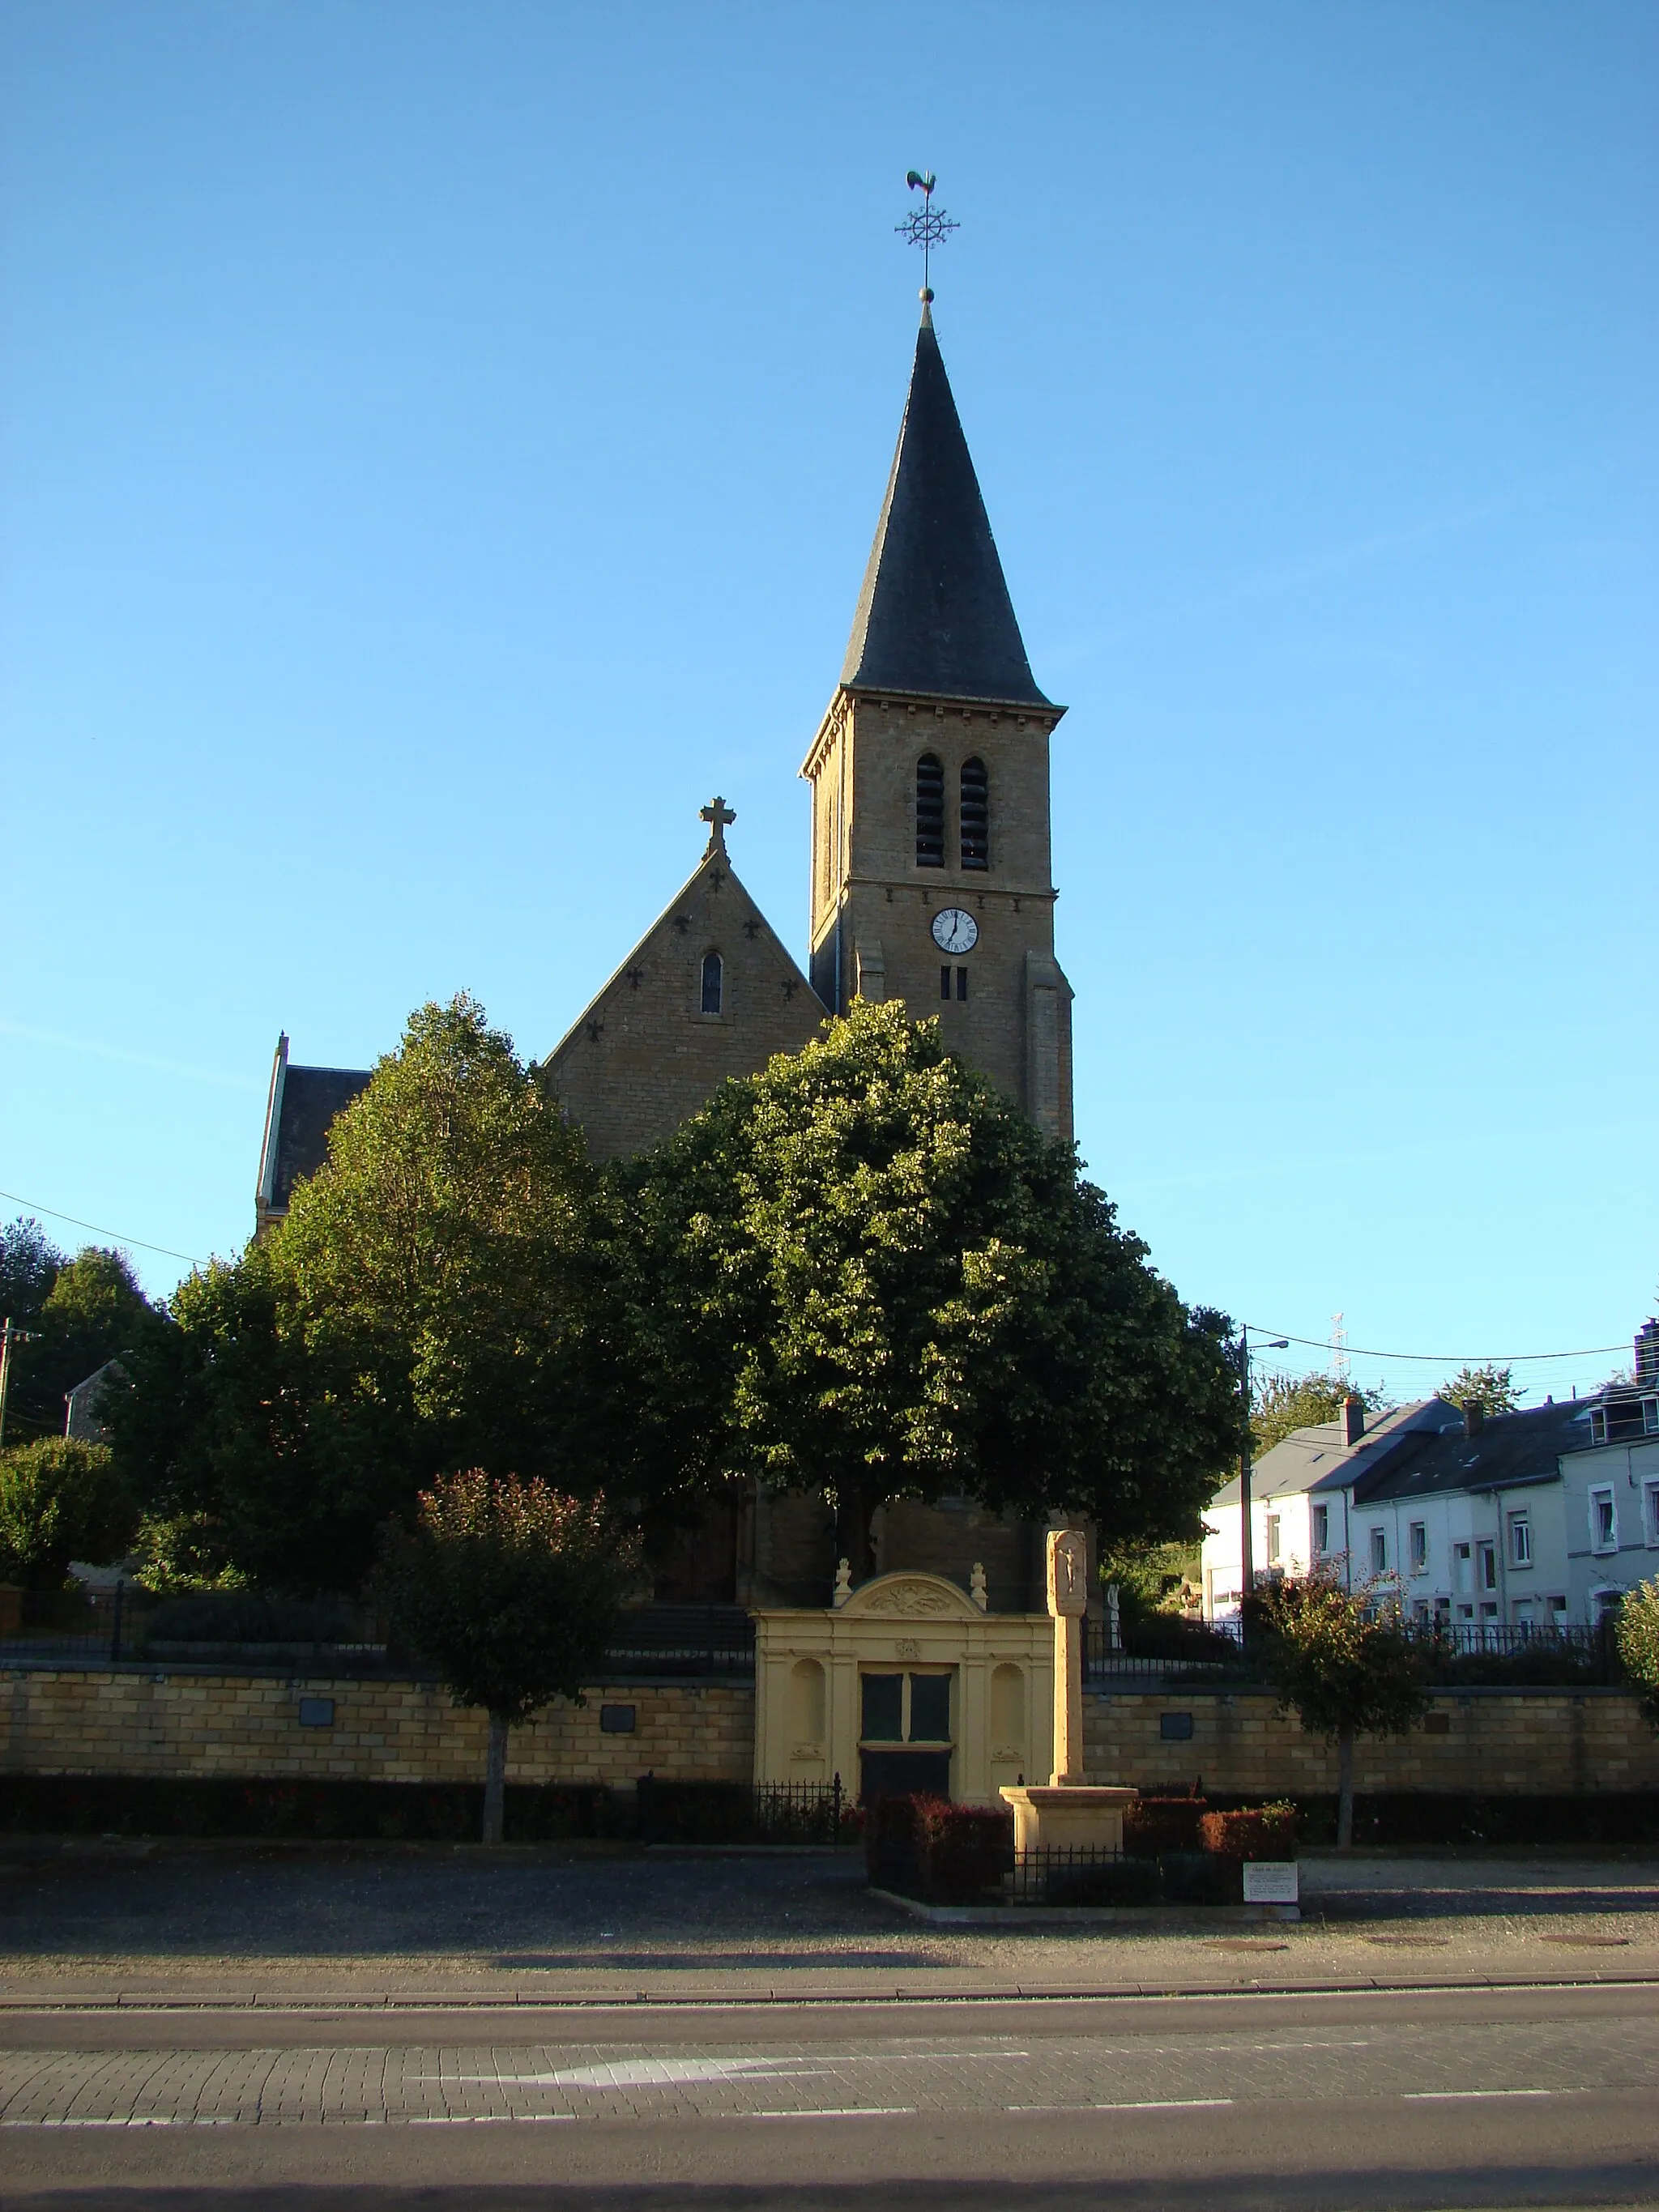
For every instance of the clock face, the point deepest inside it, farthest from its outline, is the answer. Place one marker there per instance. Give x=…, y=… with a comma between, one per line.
x=954, y=930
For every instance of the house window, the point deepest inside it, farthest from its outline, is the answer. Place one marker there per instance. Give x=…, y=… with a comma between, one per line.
x=1489, y=1611
x=1322, y=1527
x=930, y=812
x=1486, y=1561
x=1379, y=1551
x=713, y=977
x=1520, y=1540
x=1272, y=1539
x=976, y=816
x=1604, y=1521
x=1462, y=1570
x=1651, y=1498
x=1418, y=1537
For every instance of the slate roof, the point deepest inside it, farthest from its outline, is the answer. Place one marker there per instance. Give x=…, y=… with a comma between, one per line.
x=1316, y=1457
x=304, y=1101
x=1510, y=1448
x=934, y=616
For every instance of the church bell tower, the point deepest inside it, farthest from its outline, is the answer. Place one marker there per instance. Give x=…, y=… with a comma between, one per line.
x=932, y=879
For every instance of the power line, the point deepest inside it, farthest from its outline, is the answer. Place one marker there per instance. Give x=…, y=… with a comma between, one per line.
x=34, y=1206
x=1445, y=1358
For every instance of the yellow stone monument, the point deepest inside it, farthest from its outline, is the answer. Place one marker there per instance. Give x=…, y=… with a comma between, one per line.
x=1070, y=1815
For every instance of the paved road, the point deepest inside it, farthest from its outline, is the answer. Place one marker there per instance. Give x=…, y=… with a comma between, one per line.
x=1475, y=2098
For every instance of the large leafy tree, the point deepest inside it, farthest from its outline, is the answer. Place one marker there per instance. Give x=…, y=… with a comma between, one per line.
x=1285, y=1403
x=1492, y=1389
x=60, y=1500
x=429, y=1303
x=864, y=1272
x=511, y=1591
x=79, y=1314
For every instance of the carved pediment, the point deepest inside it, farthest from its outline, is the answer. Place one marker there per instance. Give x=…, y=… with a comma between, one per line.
x=913, y=1596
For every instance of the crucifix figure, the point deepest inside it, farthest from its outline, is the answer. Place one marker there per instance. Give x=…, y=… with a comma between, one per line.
x=717, y=814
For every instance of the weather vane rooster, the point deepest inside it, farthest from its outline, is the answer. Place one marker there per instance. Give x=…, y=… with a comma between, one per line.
x=926, y=226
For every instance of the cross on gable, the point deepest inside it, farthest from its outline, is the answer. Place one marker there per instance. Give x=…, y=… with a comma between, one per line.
x=717, y=814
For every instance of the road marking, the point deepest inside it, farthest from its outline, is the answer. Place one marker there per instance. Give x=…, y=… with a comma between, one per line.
x=1164, y=2105
x=1454, y=2096
x=830, y=2113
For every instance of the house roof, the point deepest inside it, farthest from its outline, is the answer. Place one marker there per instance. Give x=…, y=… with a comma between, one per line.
x=1311, y=1458
x=934, y=616
x=304, y=1101
x=1509, y=1448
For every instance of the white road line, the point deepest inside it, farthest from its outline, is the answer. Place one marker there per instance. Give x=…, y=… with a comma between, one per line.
x=1165, y=2105
x=833, y=2112
x=1458, y=2096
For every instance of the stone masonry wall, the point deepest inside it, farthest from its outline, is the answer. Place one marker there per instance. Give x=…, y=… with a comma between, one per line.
x=1500, y=1743
x=140, y=1721
x=150, y=1723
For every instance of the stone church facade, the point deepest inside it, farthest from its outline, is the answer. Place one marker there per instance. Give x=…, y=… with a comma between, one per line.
x=930, y=883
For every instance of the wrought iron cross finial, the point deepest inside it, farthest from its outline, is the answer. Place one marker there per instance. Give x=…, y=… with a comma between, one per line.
x=926, y=226
x=717, y=814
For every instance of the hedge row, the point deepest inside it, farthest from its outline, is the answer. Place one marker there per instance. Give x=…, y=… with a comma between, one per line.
x=400, y=1812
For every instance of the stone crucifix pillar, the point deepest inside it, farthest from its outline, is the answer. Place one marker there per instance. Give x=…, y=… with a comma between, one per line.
x=1068, y=1598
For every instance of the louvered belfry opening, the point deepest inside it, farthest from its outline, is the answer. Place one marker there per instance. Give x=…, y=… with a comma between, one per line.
x=975, y=814
x=930, y=812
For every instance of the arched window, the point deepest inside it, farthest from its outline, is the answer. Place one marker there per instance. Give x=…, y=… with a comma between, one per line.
x=930, y=812
x=975, y=814
x=713, y=977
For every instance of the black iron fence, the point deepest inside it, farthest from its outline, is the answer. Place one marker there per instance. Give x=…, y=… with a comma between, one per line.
x=126, y=1623
x=713, y=1814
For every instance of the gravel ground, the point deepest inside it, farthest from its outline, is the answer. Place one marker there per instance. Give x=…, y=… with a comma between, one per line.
x=521, y=1923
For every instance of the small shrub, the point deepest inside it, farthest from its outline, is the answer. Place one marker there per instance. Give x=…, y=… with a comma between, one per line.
x=1157, y=1824
x=964, y=1849
x=1119, y=1881
x=1202, y=1878
x=60, y=1500
x=927, y=1847
x=1636, y=1634
x=1252, y=1832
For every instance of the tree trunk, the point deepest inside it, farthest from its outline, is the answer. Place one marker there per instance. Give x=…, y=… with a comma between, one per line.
x=496, y=1780
x=1345, y=1791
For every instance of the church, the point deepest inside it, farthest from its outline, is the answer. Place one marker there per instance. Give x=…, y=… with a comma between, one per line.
x=930, y=883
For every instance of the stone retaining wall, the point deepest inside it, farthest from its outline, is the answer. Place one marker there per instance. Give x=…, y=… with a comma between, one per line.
x=1497, y=1743
x=147, y=1722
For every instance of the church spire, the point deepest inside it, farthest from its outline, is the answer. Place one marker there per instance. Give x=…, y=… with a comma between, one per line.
x=934, y=616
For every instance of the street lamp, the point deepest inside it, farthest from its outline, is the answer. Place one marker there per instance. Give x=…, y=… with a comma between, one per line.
x=1247, y=1547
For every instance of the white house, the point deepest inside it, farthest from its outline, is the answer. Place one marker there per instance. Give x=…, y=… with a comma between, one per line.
x=1524, y=1519
x=1292, y=1527
x=1610, y=1490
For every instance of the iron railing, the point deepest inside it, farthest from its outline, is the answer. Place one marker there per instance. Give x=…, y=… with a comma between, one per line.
x=816, y=1814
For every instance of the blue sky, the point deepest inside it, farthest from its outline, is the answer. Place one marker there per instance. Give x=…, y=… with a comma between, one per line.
x=439, y=447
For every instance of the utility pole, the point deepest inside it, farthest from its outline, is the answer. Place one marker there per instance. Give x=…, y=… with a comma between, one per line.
x=9, y=1336
x=1247, y=1536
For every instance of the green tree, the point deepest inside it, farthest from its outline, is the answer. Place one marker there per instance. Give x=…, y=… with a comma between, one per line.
x=512, y=1592
x=1637, y=1631
x=863, y=1272
x=430, y=1303
x=1284, y=1403
x=80, y=1313
x=1492, y=1389
x=1342, y=1661
x=60, y=1500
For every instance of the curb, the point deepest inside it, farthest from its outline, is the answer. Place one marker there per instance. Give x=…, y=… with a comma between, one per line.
x=809, y=2000
x=1149, y=1916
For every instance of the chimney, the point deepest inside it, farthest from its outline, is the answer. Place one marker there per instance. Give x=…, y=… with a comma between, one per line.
x=1475, y=1416
x=1353, y=1421
x=1647, y=1352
